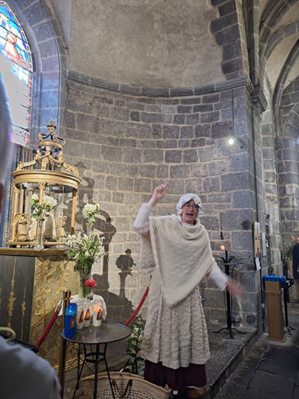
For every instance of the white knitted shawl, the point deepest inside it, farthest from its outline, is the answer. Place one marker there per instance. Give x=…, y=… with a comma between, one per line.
x=182, y=254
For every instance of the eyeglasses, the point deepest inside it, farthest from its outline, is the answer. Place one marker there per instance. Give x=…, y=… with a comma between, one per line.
x=193, y=206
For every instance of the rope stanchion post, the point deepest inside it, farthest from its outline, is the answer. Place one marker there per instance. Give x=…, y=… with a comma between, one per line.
x=62, y=353
x=49, y=325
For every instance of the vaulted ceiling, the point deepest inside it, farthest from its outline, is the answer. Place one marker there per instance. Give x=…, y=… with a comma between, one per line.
x=278, y=33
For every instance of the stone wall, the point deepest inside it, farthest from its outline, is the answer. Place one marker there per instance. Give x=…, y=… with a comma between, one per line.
x=287, y=150
x=153, y=43
x=124, y=145
x=229, y=31
x=272, y=192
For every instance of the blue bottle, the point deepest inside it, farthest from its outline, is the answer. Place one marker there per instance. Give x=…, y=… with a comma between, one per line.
x=70, y=320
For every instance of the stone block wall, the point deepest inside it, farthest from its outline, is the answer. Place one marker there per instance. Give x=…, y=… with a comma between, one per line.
x=230, y=34
x=271, y=189
x=126, y=144
x=287, y=150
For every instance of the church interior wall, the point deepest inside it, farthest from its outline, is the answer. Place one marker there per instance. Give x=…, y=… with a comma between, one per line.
x=288, y=159
x=271, y=188
x=124, y=145
x=133, y=118
x=154, y=44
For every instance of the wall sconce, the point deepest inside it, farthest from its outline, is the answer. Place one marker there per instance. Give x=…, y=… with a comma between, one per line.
x=234, y=140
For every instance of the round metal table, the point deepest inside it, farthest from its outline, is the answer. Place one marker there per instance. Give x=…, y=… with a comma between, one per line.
x=91, y=338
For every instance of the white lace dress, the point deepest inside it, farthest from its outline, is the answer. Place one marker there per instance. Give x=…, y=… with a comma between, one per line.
x=175, y=336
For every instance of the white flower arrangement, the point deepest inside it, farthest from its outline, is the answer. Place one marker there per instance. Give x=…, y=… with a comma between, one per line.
x=89, y=211
x=48, y=203
x=85, y=249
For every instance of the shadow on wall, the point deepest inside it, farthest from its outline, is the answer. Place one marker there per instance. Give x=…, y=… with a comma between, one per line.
x=119, y=307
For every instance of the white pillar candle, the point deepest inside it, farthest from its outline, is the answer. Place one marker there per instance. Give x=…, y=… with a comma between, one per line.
x=87, y=313
x=97, y=315
x=80, y=315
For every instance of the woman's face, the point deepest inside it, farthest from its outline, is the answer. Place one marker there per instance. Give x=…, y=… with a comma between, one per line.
x=189, y=212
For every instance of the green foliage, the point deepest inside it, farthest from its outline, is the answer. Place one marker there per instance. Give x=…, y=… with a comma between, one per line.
x=85, y=250
x=133, y=349
x=286, y=250
x=89, y=211
x=48, y=203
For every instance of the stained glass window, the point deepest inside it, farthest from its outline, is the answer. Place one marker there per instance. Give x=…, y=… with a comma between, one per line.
x=16, y=71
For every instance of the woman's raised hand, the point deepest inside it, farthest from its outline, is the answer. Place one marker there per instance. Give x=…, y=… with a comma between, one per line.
x=159, y=192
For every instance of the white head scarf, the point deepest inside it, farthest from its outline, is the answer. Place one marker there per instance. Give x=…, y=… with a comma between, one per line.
x=186, y=198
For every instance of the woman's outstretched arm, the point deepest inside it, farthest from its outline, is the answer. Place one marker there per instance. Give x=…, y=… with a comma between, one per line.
x=141, y=222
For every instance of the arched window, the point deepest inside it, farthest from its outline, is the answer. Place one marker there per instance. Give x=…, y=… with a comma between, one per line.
x=16, y=71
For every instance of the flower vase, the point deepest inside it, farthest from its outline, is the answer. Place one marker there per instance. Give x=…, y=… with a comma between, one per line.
x=89, y=228
x=39, y=244
x=84, y=292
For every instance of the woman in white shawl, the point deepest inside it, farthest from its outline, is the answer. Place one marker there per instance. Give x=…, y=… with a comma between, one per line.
x=177, y=250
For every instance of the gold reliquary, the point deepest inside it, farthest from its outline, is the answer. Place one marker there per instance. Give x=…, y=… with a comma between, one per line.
x=46, y=176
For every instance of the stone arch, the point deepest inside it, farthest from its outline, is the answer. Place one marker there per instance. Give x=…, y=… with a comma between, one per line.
x=230, y=35
x=278, y=36
x=271, y=15
x=293, y=118
x=274, y=40
x=49, y=62
x=268, y=38
x=250, y=10
x=292, y=57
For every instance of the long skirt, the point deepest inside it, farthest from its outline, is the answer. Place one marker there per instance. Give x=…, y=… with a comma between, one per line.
x=192, y=376
x=177, y=336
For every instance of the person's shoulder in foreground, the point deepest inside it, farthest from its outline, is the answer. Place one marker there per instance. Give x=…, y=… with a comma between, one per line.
x=25, y=375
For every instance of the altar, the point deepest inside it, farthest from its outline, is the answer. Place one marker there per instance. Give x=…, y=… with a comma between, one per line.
x=35, y=268
x=31, y=284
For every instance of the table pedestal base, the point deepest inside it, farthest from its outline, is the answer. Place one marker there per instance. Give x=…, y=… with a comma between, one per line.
x=92, y=338
x=94, y=357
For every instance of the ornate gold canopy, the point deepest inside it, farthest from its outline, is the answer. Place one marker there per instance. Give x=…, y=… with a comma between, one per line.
x=47, y=173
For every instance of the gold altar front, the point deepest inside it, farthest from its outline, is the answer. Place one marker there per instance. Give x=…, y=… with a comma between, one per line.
x=31, y=285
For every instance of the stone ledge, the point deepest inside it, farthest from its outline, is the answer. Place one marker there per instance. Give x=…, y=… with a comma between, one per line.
x=226, y=354
x=33, y=252
x=159, y=92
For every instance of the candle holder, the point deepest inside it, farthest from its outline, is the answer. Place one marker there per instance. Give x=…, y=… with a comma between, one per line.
x=227, y=263
x=97, y=314
x=87, y=313
x=80, y=315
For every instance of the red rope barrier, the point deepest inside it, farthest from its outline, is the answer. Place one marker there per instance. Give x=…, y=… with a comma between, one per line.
x=49, y=325
x=138, y=307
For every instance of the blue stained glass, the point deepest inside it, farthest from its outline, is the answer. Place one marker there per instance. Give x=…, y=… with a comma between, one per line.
x=16, y=72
